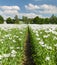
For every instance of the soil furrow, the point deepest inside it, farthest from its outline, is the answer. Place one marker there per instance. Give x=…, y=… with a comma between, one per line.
x=28, y=53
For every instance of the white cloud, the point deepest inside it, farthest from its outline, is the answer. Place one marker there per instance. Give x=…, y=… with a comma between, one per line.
x=29, y=15
x=12, y=12
x=31, y=7
x=48, y=9
x=43, y=9
x=9, y=11
x=33, y=10
x=10, y=7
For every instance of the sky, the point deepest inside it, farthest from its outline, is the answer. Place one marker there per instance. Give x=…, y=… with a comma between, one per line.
x=29, y=8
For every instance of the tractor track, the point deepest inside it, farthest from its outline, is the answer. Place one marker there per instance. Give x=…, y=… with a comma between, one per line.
x=28, y=53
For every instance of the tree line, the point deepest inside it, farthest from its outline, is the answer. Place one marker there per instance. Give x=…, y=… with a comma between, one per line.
x=9, y=20
x=26, y=20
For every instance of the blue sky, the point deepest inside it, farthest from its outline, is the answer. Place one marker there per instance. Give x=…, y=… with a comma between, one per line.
x=29, y=8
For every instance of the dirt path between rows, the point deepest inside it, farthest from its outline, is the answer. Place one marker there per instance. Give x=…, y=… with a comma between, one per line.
x=28, y=53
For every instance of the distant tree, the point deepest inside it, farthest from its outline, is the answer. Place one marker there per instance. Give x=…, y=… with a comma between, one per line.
x=30, y=20
x=46, y=21
x=41, y=21
x=53, y=19
x=9, y=20
x=1, y=19
x=16, y=19
x=37, y=20
x=25, y=19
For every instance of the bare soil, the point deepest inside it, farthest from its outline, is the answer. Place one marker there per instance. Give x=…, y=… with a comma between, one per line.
x=28, y=53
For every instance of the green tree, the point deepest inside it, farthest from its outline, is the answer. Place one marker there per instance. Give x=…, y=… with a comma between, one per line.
x=46, y=21
x=37, y=20
x=25, y=19
x=1, y=19
x=16, y=19
x=53, y=19
x=9, y=20
x=30, y=20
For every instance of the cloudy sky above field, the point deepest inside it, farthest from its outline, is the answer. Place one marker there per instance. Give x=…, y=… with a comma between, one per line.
x=29, y=8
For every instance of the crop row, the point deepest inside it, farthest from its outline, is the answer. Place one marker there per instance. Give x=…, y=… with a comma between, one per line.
x=12, y=39
x=44, y=44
